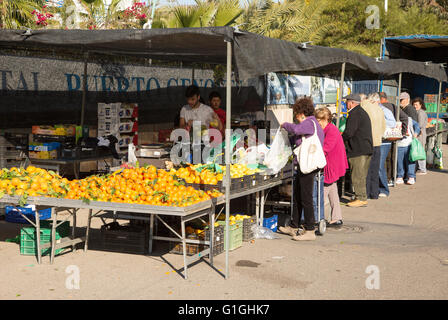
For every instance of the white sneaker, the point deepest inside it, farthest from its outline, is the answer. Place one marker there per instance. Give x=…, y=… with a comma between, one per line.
x=410, y=181
x=390, y=183
x=422, y=173
x=399, y=181
x=382, y=195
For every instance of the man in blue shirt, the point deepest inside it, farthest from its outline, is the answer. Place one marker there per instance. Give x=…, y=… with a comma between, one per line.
x=385, y=148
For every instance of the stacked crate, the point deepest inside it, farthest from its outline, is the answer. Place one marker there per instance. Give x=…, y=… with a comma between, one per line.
x=121, y=121
x=431, y=102
x=13, y=152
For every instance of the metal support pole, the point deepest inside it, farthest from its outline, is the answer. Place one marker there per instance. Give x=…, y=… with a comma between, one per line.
x=84, y=90
x=228, y=151
x=438, y=107
x=397, y=117
x=341, y=93
x=74, y=228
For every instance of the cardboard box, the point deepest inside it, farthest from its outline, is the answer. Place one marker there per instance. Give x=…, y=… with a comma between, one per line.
x=43, y=154
x=57, y=130
x=45, y=147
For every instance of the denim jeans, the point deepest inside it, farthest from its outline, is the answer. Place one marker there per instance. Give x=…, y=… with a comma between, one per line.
x=404, y=166
x=385, y=148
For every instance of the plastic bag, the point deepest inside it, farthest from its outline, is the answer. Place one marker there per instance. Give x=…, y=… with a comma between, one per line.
x=417, y=152
x=131, y=154
x=278, y=155
x=263, y=233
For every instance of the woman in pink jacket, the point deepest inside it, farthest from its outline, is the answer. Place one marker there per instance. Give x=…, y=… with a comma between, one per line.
x=337, y=163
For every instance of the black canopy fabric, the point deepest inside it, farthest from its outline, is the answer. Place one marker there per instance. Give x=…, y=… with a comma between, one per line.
x=393, y=67
x=254, y=55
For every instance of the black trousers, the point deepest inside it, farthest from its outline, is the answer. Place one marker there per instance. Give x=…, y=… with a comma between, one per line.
x=390, y=163
x=303, y=200
x=373, y=176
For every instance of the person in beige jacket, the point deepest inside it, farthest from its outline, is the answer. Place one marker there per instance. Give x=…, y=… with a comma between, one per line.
x=378, y=121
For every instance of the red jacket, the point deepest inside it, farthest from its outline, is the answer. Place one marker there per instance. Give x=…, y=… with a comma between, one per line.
x=335, y=155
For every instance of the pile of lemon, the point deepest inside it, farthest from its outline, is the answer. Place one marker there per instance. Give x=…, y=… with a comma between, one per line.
x=240, y=170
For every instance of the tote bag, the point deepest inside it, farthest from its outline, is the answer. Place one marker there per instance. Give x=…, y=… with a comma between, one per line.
x=310, y=153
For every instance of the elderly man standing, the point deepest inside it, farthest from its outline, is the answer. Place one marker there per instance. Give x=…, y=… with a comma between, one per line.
x=358, y=142
x=408, y=108
x=378, y=122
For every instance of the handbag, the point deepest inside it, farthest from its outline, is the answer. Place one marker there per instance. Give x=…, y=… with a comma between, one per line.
x=393, y=134
x=310, y=154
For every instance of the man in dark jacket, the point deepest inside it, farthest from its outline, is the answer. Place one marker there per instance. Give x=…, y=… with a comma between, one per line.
x=408, y=108
x=359, y=145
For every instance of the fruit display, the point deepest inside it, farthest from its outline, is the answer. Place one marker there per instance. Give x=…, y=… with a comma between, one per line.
x=211, y=174
x=146, y=185
x=234, y=218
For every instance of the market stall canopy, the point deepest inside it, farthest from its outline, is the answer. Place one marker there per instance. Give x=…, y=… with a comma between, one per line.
x=393, y=67
x=290, y=57
x=254, y=55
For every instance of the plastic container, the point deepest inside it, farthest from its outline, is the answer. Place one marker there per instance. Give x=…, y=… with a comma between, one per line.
x=248, y=234
x=28, y=238
x=12, y=214
x=271, y=222
x=235, y=234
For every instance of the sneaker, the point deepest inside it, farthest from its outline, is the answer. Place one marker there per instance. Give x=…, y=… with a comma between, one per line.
x=422, y=173
x=288, y=230
x=399, y=181
x=382, y=195
x=390, y=183
x=410, y=181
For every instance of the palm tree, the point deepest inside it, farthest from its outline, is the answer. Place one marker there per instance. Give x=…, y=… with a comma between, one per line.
x=17, y=13
x=294, y=20
x=203, y=14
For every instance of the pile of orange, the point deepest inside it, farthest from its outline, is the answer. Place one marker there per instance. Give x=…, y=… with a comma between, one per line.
x=32, y=182
x=138, y=186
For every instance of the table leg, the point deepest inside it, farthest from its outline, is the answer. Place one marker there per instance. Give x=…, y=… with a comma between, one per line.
x=257, y=207
x=39, y=250
x=184, y=247
x=53, y=234
x=212, y=233
x=151, y=233
x=74, y=228
x=262, y=200
x=89, y=220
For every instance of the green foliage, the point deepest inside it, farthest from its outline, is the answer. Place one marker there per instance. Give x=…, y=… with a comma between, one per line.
x=295, y=20
x=204, y=14
x=18, y=13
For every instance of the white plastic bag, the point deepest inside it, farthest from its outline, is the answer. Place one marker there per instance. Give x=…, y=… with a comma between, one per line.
x=263, y=233
x=310, y=153
x=131, y=154
x=279, y=153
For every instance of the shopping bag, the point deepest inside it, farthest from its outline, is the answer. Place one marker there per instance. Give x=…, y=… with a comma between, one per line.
x=277, y=156
x=310, y=153
x=417, y=152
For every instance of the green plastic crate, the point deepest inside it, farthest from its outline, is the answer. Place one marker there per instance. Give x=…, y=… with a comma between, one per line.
x=235, y=234
x=28, y=244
